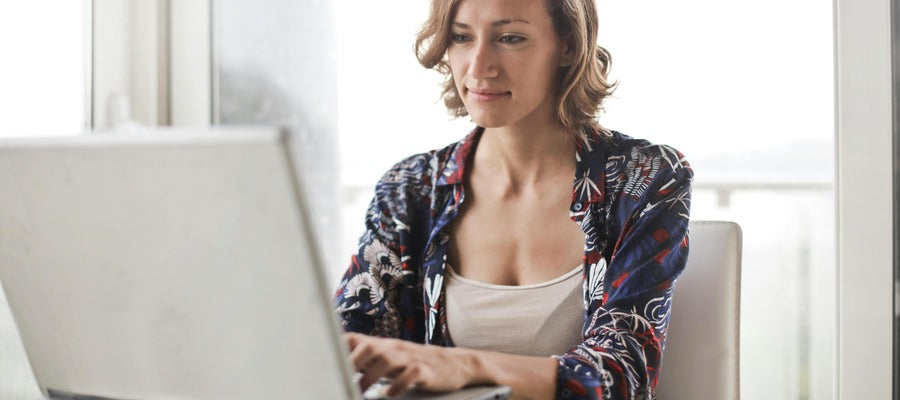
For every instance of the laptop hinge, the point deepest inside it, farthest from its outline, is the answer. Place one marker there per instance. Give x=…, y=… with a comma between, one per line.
x=62, y=395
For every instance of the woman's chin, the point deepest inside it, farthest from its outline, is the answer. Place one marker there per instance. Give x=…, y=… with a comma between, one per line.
x=489, y=121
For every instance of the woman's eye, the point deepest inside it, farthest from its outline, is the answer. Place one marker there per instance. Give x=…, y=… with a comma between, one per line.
x=458, y=38
x=512, y=39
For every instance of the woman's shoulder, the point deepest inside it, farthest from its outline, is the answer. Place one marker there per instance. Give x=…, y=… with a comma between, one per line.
x=633, y=164
x=417, y=177
x=420, y=168
x=620, y=145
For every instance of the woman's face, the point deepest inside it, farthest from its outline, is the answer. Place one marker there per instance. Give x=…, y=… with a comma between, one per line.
x=505, y=56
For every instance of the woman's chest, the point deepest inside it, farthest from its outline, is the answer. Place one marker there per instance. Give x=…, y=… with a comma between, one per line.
x=515, y=244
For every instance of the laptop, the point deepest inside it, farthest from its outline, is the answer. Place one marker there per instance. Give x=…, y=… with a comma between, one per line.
x=170, y=264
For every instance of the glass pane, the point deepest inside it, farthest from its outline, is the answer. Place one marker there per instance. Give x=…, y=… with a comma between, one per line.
x=752, y=110
x=43, y=72
x=274, y=64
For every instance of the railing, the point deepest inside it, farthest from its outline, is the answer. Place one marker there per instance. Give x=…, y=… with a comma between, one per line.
x=724, y=188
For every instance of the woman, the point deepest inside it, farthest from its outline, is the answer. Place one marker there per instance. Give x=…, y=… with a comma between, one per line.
x=465, y=272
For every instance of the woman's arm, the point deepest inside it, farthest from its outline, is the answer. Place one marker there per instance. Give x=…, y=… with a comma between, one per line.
x=377, y=294
x=629, y=298
x=441, y=369
x=529, y=377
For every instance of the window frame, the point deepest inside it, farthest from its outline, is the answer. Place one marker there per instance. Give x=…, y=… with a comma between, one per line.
x=863, y=137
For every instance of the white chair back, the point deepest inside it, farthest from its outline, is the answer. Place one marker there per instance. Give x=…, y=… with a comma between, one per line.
x=701, y=358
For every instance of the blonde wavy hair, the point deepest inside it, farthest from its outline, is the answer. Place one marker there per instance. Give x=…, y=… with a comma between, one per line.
x=581, y=87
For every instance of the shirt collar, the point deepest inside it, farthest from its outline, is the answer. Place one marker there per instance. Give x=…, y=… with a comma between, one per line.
x=589, y=184
x=453, y=169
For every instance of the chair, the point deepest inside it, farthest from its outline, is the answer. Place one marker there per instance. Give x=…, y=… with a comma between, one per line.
x=701, y=358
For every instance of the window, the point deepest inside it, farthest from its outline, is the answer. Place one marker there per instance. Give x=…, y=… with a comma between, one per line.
x=45, y=71
x=752, y=109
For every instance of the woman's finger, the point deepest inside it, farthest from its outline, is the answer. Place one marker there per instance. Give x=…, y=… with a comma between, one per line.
x=406, y=380
x=363, y=354
x=353, y=339
x=367, y=379
x=381, y=367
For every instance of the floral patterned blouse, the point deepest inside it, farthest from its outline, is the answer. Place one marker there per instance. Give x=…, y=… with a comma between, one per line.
x=632, y=200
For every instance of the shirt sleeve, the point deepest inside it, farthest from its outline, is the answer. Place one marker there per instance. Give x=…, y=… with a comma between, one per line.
x=376, y=295
x=629, y=298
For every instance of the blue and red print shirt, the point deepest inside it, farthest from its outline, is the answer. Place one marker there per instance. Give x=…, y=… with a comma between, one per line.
x=631, y=198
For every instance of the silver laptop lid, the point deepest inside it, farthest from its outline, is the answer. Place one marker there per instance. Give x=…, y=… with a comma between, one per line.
x=170, y=264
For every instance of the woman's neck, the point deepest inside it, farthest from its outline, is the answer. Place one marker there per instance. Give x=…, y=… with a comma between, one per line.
x=526, y=156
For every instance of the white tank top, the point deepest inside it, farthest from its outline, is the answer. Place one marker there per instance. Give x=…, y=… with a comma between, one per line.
x=533, y=320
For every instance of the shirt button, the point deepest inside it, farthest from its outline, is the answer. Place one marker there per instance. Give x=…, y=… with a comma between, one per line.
x=577, y=206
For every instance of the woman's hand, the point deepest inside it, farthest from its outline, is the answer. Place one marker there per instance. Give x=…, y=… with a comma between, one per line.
x=408, y=364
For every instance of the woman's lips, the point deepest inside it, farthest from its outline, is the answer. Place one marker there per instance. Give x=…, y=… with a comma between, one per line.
x=487, y=95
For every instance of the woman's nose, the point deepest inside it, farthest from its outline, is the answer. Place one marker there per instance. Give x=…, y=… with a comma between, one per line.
x=483, y=63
